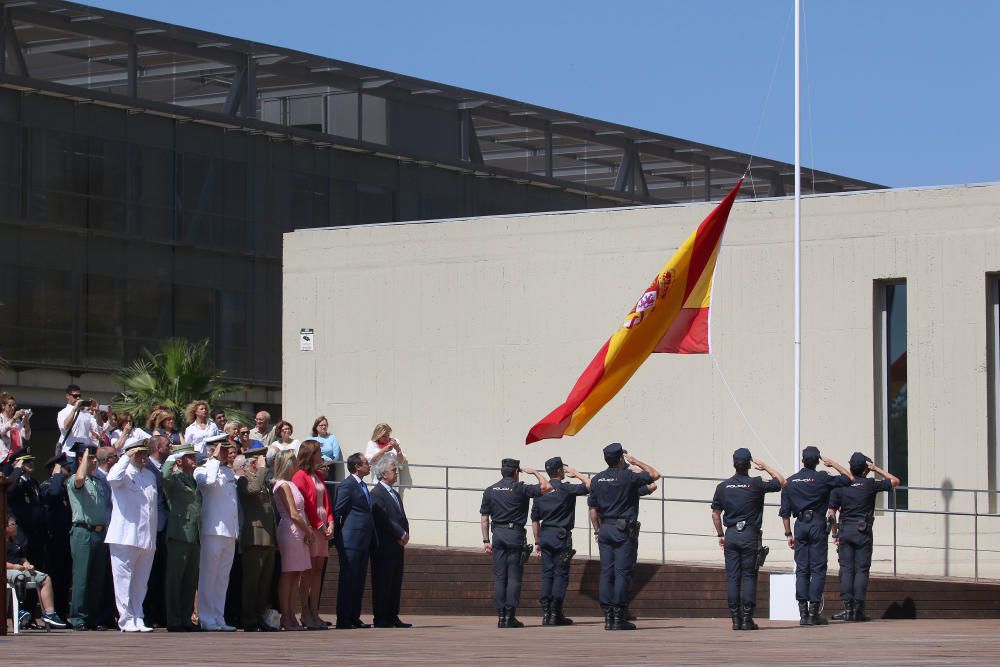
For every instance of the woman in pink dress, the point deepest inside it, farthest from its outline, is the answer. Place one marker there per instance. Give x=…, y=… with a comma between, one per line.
x=319, y=514
x=294, y=535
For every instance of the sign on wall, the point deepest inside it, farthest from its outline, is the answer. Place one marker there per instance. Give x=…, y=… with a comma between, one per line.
x=306, y=339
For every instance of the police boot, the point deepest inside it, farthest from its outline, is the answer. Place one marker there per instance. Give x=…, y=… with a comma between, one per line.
x=557, y=614
x=734, y=613
x=847, y=614
x=502, y=618
x=512, y=621
x=620, y=620
x=547, y=613
x=609, y=618
x=815, y=616
x=804, y=617
x=859, y=612
x=748, y=623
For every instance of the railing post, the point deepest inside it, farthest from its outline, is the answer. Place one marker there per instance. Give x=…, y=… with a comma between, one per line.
x=894, y=508
x=447, y=517
x=975, y=531
x=663, y=520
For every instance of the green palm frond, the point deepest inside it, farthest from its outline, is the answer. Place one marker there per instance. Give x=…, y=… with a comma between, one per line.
x=178, y=373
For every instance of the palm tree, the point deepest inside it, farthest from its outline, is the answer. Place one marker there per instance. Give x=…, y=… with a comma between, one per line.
x=176, y=375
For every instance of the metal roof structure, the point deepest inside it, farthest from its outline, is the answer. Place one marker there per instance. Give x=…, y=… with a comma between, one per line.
x=96, y=56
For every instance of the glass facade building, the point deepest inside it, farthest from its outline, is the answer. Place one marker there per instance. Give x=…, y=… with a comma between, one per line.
x=148, y=172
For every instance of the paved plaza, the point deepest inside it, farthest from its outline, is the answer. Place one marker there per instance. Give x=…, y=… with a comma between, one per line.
x=470, y=640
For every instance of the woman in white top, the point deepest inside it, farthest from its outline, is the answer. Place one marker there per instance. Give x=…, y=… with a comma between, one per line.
x=126, y=433
x=200, y=427
x=14, y=426
x=383, y=445
x=283, y=441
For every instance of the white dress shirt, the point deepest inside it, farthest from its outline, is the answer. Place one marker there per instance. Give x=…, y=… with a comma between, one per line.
x=133, y=506
x=219, y=506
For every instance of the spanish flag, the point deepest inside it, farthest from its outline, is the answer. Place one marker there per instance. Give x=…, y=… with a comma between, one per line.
x=672, y=315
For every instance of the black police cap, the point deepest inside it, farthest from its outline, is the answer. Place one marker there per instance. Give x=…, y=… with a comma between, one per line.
x=811, y=452
x=858, y=459
x=742, y=455
x=614, y=449
x=510, y=463
x=23, y=455
x=553, y=464
x=57, y=460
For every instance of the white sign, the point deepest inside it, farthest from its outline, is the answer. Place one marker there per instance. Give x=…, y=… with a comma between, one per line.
x=306, y=339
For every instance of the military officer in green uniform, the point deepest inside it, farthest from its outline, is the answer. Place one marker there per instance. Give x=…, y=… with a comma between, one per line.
x=183, y=528
x=88, y=500
x=258, y=542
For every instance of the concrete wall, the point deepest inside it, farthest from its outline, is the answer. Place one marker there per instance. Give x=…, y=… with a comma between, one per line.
x=463, y=333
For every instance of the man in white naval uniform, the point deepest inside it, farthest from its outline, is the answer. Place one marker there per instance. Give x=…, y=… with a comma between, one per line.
x=219, y=531
x=131, y=534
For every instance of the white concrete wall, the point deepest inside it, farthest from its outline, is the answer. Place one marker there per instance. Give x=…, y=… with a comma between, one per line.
x=463, y=333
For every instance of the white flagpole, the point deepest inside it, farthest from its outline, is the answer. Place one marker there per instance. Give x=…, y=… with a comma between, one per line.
x=797, y=442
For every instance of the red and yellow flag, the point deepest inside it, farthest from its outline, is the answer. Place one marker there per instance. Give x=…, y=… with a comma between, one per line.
x=671, y=316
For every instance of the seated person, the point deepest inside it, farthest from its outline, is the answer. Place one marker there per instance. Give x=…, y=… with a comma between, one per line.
x=20, y=572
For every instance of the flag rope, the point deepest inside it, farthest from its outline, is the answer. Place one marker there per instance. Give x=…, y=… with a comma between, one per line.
x=739, y=409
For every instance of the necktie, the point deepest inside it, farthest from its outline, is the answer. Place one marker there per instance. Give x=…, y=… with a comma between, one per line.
x=395, y=496
x=364, y=490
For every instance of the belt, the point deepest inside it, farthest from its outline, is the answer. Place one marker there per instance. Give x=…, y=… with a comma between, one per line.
x=94, y=528
x=510, y=524
x=553, y=527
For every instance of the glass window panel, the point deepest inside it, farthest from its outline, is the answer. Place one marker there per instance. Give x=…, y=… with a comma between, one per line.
x=271, y=111
x=891, y=322
x=103, y=335
x=46, y=309
x=306, y=112
x=993, y=384
x=342, y=115
x=374, y=119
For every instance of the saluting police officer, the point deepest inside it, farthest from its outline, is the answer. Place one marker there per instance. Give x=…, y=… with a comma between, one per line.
x=506, y=504
x=854, y=538
x=552, y=519
x=806, y=496
x=741, y=497
x=614, y=509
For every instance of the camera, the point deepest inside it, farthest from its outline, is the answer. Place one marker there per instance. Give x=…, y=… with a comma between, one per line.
x=28, y=412
x=78, y=447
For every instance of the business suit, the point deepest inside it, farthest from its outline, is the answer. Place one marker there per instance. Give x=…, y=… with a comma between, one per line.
x=391, y=526
x=355, y=538
x=258, y=544
x=183, y=544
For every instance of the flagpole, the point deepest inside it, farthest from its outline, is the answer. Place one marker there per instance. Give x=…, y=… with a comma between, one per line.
x=796, y=439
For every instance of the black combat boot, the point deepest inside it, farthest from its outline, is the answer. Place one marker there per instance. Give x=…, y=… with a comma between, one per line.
x=619, y=620
x=512, y=621
x=734, y=613
x=815, y=616
x=847, y=614
x=859, y=612
x=547, y=612
x=502, y=618
x=609, y=618
x=748, y=623
x=804, y=617
x=557, y=614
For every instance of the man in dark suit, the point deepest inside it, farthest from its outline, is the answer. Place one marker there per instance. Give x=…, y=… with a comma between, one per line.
x=393, y=532
x=355, y=539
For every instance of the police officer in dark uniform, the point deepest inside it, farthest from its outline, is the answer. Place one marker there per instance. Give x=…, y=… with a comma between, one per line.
x=58, y=522
x=505, y=503
x=853, y=534
x=614, y=510
x=741, y=497
x=806, y=496
x=552, y=519
x=24, y=500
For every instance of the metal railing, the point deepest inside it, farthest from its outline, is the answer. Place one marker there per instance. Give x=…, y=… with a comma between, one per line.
x=947, y=494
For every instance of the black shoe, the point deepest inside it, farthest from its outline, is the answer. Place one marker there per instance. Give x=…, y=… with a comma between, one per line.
x=859, y=612
x=747, y=621
x=358, y=623
x=814, y=616
x=344, y=626
x=98, y=628
x=81, y=628
x=804, y=617
x=381, y=624
x=847, y=614
x=609, y=618
x=512, y=621
x=397, y=623
x=547, y=612
x=620, y=620
x=557, y=614
x=734, y=613
x=177, y=628
x=251, y=628
x=502, y=618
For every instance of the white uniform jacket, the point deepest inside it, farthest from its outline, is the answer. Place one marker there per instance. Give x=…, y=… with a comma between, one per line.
x=133, y=506
x=219, y=506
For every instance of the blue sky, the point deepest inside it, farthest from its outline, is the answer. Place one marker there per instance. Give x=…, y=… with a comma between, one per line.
x=900, y=92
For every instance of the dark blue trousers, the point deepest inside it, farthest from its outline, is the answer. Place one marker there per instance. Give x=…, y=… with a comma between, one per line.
x=618, y=553
x=855, y=557
x=555, y=578
x=810, y=559
x=741, y=567
x=508, y=545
